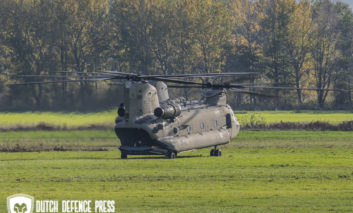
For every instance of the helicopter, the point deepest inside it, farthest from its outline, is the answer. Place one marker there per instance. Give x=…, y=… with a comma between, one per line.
x=149, y=122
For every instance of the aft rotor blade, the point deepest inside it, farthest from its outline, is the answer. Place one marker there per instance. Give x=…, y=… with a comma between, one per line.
x=199, y=75
x=231, y=89
x=251, y=93
x=243, y=86
x=208, y=85
x=293, y=88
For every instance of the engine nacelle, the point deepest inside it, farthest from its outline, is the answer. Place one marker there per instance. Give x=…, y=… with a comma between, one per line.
x=168, y=110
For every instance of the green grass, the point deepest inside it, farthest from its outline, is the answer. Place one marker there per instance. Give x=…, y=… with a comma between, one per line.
x=260, y=171
x=106, y=118
x=268, y=117
x=58, y=119
x=63, y=140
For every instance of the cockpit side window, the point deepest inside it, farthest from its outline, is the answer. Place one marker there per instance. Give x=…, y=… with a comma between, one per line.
x=228, y=121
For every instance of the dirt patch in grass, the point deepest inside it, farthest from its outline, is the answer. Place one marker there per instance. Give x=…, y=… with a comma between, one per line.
x=42, y=147
x=50, y=127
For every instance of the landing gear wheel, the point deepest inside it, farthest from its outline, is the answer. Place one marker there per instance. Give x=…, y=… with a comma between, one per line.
x=218, y=153
x=171, y=155
x=215, y=152
x=123, y=155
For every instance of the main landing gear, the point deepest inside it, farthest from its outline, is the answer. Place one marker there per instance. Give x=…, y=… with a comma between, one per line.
x=171, y=155
x=123, y=155
x=215, y=152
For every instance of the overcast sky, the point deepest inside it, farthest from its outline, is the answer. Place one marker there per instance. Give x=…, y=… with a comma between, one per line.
x=350, y=2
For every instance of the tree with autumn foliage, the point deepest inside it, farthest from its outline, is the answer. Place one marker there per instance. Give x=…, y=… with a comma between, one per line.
x=286, y=42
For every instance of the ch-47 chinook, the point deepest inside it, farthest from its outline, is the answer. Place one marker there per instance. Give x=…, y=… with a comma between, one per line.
x=150, y=123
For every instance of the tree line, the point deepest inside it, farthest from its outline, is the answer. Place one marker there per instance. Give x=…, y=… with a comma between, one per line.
x=286, y=42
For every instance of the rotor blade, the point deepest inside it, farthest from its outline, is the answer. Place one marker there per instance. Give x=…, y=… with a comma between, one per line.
x=64, y=81
x=185, y=86
x=44, y=76
x=95, y=74
x=173, y=81
x=209, y=85
x=243, y=86
x=293, y=88
x=251, y=93
x=121, y=73
x=231, y=89
x=170, y=78
x=211, y=75
x=60, y=76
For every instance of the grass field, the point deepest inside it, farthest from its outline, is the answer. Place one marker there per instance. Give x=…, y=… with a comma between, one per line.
x=106, y=118
x=58, y=119
x=260, y=171
x=268, y=117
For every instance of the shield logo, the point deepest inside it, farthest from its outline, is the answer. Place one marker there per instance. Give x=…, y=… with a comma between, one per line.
x=20, y=203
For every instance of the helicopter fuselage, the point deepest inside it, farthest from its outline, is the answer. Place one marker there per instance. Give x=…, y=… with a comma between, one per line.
x=192, y=126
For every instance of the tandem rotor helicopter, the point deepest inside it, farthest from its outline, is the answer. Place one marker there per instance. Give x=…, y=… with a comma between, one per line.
x=151, y=123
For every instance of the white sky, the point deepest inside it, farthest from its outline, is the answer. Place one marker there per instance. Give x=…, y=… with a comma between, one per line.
x=350, y=2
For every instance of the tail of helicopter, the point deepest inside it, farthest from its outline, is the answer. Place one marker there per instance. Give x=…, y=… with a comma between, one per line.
x=140, y=101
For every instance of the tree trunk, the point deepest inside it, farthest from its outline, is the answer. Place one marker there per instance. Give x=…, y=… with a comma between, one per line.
x=299, y=91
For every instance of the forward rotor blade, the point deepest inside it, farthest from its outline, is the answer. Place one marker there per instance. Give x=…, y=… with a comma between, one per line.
x=173, y=81
x=44, y=76
x=86, y=73
x=185, y=86
x=64, y=81
x=61, y=77
x=183, y=75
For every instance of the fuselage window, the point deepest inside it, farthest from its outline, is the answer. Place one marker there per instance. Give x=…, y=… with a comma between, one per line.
x=215, y=123
x=189, y=129
x=202, y=125
x=228, y=121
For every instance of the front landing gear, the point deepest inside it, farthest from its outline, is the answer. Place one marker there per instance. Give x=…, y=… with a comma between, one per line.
x=215, y=152
x=123, y=155
x=171, y=155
